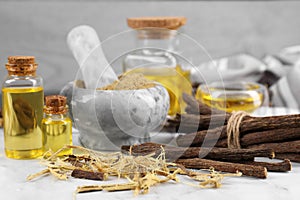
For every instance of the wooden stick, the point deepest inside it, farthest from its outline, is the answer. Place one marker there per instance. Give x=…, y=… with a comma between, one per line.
x=78, y=173
x=283, y=166
x=251, y=124
x=196, y=152
x=275, y=135
x=294, y=157
x=270, y=136
x=283, y=147
x=247, y=138
x=197, y=138
x=265, y=123
x=197, y=107
x=190, y=122
x=247, y=170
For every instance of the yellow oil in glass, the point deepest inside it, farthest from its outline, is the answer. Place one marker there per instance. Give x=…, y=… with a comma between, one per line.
x=22, y=115
x=175, y=80
x=58, y=133
x=232, y=101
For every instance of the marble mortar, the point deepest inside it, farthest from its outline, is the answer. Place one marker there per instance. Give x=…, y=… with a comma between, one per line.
x=108, y=119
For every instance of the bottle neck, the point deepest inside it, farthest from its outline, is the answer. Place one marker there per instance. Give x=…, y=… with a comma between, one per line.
x=56, y=116
x=17, y=74
x=164, y=39
x=57, y=112
x=21, y=69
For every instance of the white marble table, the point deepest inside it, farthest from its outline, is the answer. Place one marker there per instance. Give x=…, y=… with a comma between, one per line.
x=13, y=185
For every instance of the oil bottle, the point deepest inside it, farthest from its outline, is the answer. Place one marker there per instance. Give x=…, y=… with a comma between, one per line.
x=56, y=125
x=22, y=93
x=156, y=56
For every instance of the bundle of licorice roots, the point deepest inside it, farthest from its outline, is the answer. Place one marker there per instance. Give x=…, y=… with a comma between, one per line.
x=210, y=139
x=279, y=133
x=220, y=159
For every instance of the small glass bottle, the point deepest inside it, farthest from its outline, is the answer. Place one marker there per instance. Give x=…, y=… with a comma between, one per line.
x=156, y=56
x=22, y=101
x=56, y=125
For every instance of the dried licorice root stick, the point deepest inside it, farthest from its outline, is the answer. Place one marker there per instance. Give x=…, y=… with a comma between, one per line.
x=283, y=166
x=190, y=123
x=79, y=173
x=283, y=147
x=197, y=138
x=276, y=135
x=194, y=152
x=269, y=136
x=197, y=107
x=251, y=123
x=294, y=157
x=247, y=170
x=269, y=127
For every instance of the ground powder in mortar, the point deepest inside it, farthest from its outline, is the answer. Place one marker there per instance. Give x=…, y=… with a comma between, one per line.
x=132, y=81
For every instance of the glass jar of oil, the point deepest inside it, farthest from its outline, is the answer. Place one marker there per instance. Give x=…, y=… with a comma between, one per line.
x=233, y=96
x=22, y=101
x=156, y=57
x=56, y=125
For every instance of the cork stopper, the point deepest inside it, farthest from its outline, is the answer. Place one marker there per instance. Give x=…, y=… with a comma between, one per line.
x=21, y=65
x=172, y=23
x=21, y=60
x=55, y=104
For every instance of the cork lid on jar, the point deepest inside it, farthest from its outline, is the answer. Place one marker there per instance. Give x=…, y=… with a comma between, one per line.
x=172, y=23
x=55, y=104
x=21, y=65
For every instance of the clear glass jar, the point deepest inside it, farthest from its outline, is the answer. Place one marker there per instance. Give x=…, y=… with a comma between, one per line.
x=56, y=125
x=232, y=96
x=22, y=101
x=156, y=57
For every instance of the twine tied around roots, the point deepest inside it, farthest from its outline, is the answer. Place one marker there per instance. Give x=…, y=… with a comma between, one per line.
x=233, y=129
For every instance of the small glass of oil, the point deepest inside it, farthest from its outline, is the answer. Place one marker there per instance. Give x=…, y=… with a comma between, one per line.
x=233, y=96
x=56, y=125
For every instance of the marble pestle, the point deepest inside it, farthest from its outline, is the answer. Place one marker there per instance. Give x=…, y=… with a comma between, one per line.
x=85, y=45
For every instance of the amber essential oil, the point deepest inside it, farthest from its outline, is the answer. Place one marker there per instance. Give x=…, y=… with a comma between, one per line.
x=22, y=114
x=241, y=98
x=56, y=125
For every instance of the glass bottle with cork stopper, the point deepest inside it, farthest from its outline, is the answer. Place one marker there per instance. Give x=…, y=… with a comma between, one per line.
x=22, y=101
x=56, y=125
x=156, y=56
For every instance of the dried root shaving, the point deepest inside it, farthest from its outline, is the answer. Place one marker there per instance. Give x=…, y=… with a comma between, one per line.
x=141, y=172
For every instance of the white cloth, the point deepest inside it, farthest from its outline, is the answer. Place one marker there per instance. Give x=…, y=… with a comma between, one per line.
x=285, y=64
x=238, y=67
x=286, y=92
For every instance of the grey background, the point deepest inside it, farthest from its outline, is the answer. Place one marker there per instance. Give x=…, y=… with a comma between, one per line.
x=224, y=28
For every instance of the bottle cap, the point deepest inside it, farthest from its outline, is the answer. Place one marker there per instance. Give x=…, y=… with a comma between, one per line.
x=21, y=65
x=156, y=22
x=55, y=104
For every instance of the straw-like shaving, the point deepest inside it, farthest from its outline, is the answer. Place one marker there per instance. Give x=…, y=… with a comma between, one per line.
x=142, y=172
